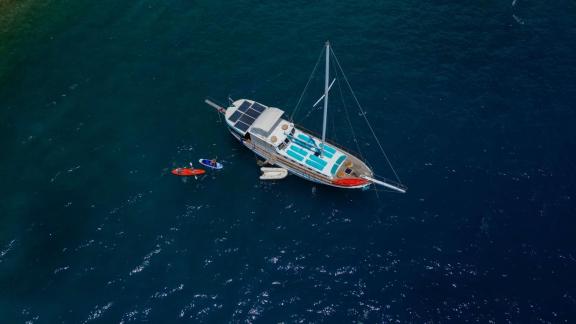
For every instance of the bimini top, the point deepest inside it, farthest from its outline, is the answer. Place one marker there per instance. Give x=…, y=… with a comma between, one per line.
x=268, y=120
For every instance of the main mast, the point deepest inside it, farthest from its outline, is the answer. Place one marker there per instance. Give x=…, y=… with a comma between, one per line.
x=326, y=88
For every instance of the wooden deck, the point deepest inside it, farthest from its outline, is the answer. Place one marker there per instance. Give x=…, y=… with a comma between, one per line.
x=358, y=167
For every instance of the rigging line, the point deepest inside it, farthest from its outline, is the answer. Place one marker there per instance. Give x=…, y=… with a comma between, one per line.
x=348, y=119
x=306, y=87
x=311, y=111
x=364, y=115
x=314, y=108
x=356, y=142
x=334, y=132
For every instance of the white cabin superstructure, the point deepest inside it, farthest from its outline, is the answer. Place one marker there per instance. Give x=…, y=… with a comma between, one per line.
x=263, y=130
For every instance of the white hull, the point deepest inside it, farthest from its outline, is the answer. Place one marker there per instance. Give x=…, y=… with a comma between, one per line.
x=290, y=169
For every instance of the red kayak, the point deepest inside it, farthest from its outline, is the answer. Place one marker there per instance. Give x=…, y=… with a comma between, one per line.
x=187, y=172
x=350, y=182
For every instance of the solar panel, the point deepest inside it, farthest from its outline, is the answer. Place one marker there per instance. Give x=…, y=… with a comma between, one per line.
x=244, y=106
x=247, y=119
x=241, y=126
x=258, y=107
x=235, y=116
x=252, y=113
x=246, y=114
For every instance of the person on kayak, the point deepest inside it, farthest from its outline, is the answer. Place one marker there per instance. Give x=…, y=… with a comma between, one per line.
x=213, y=162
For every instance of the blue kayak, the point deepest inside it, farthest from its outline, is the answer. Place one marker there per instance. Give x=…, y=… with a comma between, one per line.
x=208, y=163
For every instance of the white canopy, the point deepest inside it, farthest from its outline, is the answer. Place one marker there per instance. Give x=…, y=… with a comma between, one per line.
x=266, y=121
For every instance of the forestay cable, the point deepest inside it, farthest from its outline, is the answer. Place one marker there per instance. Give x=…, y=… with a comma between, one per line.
x=364, y=115
x=354, y=138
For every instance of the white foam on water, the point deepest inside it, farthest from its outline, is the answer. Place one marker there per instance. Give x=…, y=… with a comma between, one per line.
x=136, y=315
x=84, y=245
x=201, y=307
x=55, y=176
x=146, y=261
x=73, y=169
x=346, y=270
x=130, y=316
x=26, y=312
x=7, y=249
x=132, y=200
x=167, y=292
x=35, y=318
x=98, y=312
x=518, y=20
x=57, y=270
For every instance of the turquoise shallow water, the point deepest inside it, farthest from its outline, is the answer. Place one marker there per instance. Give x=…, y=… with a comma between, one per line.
x=473, y=102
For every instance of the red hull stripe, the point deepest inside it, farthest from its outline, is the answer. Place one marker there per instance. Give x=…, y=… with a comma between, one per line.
x=350, y=182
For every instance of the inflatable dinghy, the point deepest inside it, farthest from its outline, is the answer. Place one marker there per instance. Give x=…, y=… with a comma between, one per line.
x=273, y=173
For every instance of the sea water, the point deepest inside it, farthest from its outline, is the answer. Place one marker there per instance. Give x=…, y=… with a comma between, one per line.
x=473, y=102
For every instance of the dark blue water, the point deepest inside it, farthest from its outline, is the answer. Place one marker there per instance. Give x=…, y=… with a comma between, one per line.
x=474, y=102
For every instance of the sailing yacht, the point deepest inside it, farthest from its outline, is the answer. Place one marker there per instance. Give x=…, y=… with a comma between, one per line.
x=280, y=142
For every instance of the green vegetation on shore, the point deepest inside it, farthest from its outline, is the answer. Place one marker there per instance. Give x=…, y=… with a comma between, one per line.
x=15, y=24
x=11, y=11
x=25, y=22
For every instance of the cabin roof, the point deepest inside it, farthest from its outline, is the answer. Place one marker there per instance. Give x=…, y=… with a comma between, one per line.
x=250, y=116
x=267, y=120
